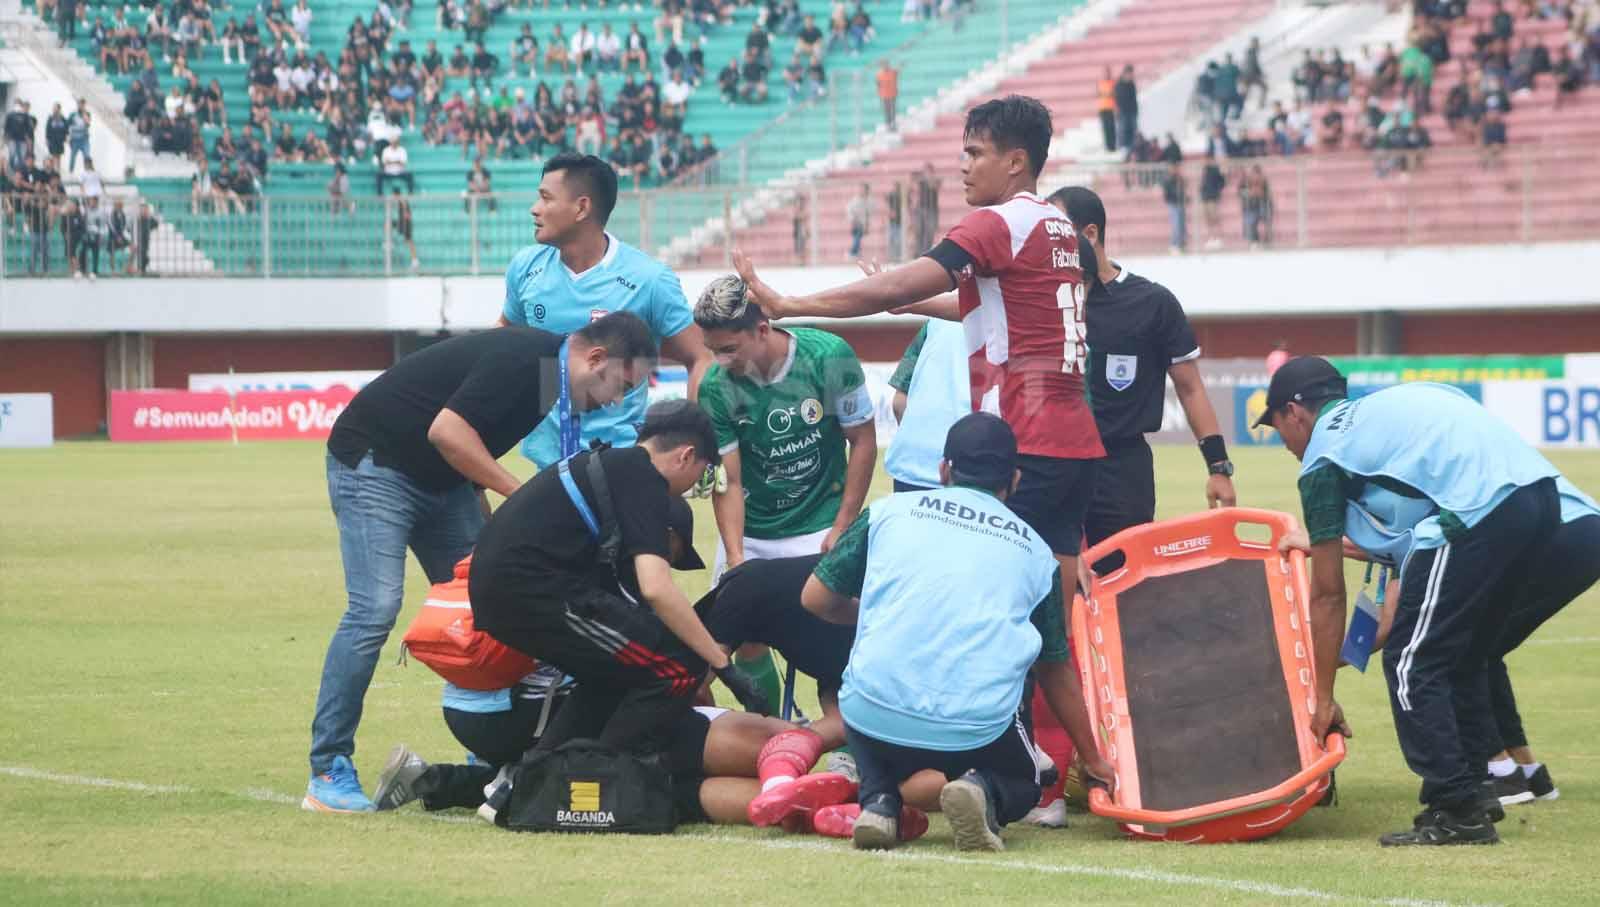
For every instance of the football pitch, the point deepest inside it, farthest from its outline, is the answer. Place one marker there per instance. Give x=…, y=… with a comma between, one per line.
x=166, y=610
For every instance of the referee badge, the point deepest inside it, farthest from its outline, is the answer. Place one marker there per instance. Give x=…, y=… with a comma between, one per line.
x=1120, y=371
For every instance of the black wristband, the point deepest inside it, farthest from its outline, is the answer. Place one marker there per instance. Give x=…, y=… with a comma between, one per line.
x=1213, y=449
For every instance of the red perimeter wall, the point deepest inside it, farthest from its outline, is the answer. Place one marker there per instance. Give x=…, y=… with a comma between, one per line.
x=179, y=356
x=73, y=368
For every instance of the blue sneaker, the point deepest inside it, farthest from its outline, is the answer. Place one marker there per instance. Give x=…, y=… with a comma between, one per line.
x=337, y=791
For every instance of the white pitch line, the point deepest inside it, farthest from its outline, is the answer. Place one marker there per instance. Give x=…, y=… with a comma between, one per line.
x=33, y=774
x=1149, y=876
x=1153, y=876
x=259, y=794
x=1568, y=641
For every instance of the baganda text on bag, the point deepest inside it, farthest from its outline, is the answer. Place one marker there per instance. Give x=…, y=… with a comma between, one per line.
x=585, y=786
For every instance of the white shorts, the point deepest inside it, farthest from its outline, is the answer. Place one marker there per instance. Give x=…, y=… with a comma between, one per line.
x=768, y=549
x=711, y=713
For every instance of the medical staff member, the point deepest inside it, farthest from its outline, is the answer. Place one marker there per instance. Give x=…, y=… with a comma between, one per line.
x=406, y=462
x=546, y=582
x=576, y=272
x=944, y=642
x=1421, y=476
x=931, y=393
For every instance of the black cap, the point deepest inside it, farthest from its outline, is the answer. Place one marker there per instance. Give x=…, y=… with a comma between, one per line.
x=680, y=519
x=1299, y=380
x=982, y=451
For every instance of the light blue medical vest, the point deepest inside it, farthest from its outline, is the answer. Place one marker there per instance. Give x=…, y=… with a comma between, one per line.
x=1433, y=438
x=541, y=292
x=940, y=393
x=944, y=637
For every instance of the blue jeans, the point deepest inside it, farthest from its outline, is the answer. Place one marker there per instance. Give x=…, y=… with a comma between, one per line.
x=380, y=512
x=1177, y=215
x=76, y=149
x=856, y=233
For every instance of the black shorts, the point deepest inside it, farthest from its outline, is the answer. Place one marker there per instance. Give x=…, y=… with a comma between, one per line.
x=686, y=760
x=759, y=601
x=1053, y=497
x=1124, y=495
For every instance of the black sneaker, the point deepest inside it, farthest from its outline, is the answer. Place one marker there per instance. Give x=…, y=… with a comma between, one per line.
x=1511, y=789
x=1488, y=801
x=1541, y=785
x=1439, y=827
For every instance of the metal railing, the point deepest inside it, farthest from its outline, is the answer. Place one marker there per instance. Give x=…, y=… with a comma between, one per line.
x=1535, y=193
x=23, y=29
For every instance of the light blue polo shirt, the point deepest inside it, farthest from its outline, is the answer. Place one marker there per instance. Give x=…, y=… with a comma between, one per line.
x=542, y=292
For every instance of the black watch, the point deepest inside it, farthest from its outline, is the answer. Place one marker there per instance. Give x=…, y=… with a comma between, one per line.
x=1221, y=468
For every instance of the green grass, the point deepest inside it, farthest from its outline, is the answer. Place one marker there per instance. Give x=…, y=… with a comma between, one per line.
x=166, y=609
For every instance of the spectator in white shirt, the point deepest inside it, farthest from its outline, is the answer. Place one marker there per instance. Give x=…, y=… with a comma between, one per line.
x=675, y=95
x=396, y=166
x=301, y=78
x=284, y=73
x=583, y=47
x=300, y=17
x=89, y=180
x=608, y=47
x=1301, y=130
x=173, y=103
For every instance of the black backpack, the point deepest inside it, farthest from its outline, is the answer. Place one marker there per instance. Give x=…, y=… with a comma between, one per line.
x=585, y=786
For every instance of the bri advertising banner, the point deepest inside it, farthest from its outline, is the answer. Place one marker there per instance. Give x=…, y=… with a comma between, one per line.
x=174, y=415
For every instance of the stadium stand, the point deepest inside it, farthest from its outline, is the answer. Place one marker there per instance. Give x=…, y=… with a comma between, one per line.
x=1360, y=190
x=218, y=92
x=1386, y=183
x=1151, y=35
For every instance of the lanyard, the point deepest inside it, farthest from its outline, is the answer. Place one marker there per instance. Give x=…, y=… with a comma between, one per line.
x=571, y=429
x=1383, y=579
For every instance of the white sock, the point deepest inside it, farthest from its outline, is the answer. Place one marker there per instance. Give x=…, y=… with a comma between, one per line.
x=770, y=783
x=1530, y=768
x=1500, y=768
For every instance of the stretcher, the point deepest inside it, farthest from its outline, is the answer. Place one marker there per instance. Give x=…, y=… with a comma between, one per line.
x=1196, y=657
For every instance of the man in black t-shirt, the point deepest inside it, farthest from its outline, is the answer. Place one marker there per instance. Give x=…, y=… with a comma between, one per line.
x=543, y=583
x=405, y=461
x=759, y=602
x=1138, y=336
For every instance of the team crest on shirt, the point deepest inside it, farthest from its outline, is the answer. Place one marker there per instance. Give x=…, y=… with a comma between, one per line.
x=539, y=312
x=811, y=410
x=1120, y=371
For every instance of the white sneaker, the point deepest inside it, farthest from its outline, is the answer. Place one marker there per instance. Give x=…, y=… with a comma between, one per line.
x=844, y=764
x=1052, y=816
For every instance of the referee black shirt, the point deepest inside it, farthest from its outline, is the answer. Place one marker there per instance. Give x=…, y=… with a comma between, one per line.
x=1136, y=331
x=502, y=382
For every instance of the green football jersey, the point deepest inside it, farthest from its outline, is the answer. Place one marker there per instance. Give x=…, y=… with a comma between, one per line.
x=790, y=433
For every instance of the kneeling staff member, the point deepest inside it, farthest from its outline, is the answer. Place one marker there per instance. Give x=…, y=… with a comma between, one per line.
x=545, y=582
x=1423, y=477
x=943, y=643
x=759, y=601
x=403, y=460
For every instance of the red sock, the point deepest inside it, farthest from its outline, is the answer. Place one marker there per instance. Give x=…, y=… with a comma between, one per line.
x=787, y=756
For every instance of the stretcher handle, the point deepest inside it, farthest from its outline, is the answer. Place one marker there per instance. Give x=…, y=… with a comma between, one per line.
x=1100, y=802
x=1135, y=542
